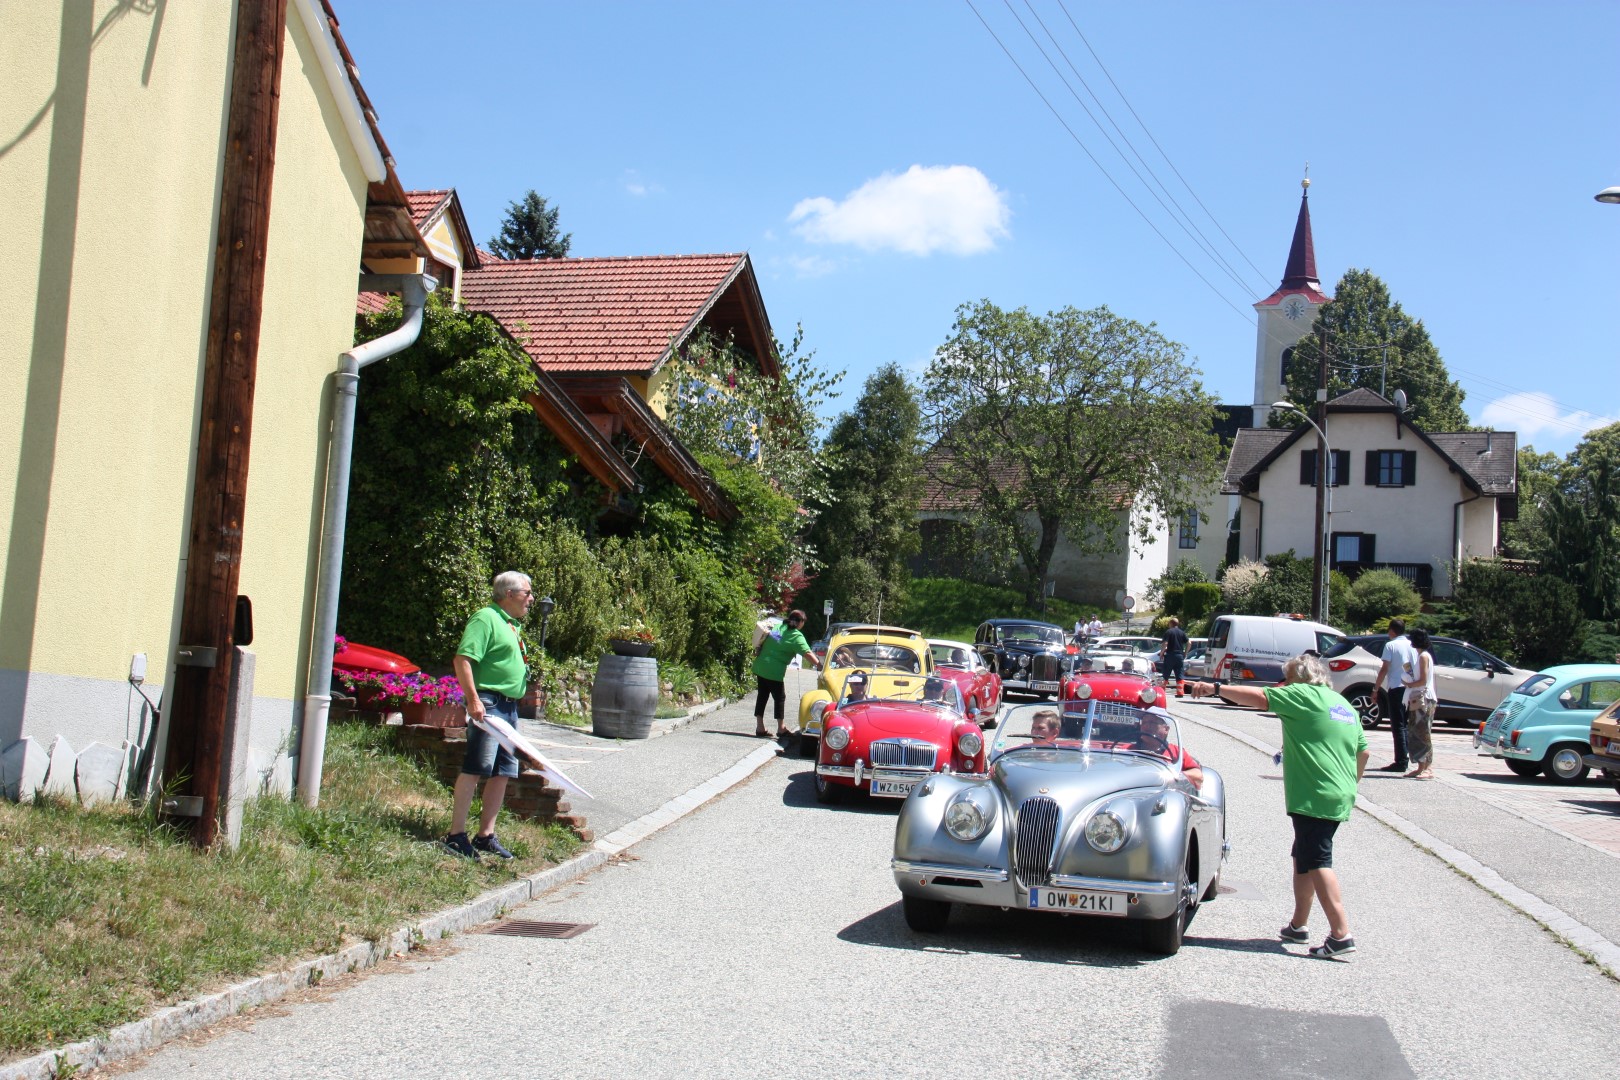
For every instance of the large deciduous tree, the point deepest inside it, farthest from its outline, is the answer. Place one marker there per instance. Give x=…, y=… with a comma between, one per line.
x=865, y=523
x=1581, y=516
x=1373, y=343
x=1051, y=426
x=530, y=231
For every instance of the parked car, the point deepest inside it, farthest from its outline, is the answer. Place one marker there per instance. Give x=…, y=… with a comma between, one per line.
x=1264, y=643
x=889, y=745
x=1605, y=742
x=1469, y=681
x=1029, y=656
x=894, y=659
x=980, y=687
x=1198, y=667
x=1545, y=724
x=1130, y=687
x=1104, y=821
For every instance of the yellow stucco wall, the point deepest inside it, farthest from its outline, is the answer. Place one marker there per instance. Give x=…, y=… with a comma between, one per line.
x=101, y=351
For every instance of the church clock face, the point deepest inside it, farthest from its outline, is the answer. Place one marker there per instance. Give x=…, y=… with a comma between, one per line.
x=1294, y=308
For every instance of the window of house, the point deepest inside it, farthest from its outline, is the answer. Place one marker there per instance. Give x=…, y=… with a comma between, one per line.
x=442, y=272
x=1392, y=468
x=1348, y=547
x=1189, y=529
x=1338, y=468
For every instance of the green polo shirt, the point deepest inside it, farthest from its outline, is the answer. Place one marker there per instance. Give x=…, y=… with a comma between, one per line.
x=778, y=652
x=492, y=642
x=1322, y=737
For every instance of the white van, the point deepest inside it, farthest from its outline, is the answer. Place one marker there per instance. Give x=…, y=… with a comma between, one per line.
x=1265, y=642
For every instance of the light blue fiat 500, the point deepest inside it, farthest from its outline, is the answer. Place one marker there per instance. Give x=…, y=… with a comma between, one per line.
x=1544, y=725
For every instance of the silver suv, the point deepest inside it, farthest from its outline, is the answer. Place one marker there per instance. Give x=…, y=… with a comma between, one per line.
x=1469, y=681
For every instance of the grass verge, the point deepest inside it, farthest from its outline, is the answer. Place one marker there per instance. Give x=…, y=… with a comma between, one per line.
x=106, y=914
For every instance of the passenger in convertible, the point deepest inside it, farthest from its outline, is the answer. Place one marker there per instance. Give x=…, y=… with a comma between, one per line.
x=1155, y=739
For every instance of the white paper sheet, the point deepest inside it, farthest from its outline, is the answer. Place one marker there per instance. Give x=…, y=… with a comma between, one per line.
x=518, y=745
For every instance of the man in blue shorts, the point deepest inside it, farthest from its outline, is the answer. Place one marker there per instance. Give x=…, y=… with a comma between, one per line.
x=489, y=665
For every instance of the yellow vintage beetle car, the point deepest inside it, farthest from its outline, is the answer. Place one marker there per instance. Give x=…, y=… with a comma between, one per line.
x=895, y=661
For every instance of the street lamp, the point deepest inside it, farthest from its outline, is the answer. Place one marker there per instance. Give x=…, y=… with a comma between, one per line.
x=1326, y=478
x=1608, y=195
x=546, y=605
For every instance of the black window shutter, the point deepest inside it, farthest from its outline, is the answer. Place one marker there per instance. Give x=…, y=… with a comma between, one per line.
x=1341, y=467
x=1372, y=468
x=1369, y=545
x=1409, y=469
x=1307, y=467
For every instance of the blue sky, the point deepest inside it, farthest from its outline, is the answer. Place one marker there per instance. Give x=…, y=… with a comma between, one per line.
x=885, y=162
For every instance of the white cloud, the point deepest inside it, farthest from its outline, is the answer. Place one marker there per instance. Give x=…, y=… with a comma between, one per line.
x=950, y=208
x=1533, y=413
x=637, y=186
x=811, y=266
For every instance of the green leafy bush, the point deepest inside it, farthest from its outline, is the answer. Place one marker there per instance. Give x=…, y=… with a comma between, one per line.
x=1172, y=599
x=1380, y=594
x=1533, y=622
x=954, y=608
x=1198, y=598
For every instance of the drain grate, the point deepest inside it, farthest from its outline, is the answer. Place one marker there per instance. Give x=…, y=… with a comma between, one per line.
x=531, y=928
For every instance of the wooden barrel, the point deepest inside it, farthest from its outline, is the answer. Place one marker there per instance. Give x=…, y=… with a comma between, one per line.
x=624, y=696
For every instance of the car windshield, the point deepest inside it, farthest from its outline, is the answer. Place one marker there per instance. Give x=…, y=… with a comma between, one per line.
x=952, y=656
x=1534, y=685
x=1090, y=726
x=1045, y=635
x=937, y=693
x=875, y=656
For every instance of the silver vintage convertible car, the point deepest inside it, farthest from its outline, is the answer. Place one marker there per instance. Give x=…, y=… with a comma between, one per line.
x=1087, y=808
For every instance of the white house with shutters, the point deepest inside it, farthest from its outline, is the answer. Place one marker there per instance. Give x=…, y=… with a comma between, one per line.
x=1413, y=501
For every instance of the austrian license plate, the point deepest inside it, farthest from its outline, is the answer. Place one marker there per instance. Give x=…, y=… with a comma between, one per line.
x=1077, y=902
x=893, y=788
x=1046, y=686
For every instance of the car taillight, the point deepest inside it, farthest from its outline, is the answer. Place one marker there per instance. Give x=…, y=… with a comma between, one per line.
x=1600, y=743
x=1515, y=739
x=1248, y=674
x=1341, y=665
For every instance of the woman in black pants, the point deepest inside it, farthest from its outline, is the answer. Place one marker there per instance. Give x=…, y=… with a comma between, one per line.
x=776, y=651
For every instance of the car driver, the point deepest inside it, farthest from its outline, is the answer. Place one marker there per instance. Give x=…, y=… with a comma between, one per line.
x=1155, y=739
x=1043, y=728
x=854, y=688
x=934, y=689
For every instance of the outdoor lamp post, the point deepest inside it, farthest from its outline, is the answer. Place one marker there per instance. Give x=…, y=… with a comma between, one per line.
x=1608, y=195
x=1325, y=476
x=546, y=605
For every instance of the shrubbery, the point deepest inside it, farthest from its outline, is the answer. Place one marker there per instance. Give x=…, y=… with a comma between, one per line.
x=1380, y=594
x=953, y=608
x=1530, y=621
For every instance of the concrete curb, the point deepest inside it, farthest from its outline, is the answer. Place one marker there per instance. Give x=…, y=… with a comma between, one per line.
x=1602, y=952
x=151, y=1032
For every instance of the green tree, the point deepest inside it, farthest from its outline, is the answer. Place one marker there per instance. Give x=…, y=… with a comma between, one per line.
x=1582, y=521
x=1531, y=621
x=1051, y=426
x=529, y=231
x=865, y=525
x=1539, y=476
x=1366, y=330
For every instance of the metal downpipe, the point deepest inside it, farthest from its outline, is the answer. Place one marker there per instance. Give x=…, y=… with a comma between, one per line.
x=346, y=388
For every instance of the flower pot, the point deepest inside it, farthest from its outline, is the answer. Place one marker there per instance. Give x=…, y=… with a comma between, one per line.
x=426, y=715
x=365, y=699
x=632, y=648
x=532, y=704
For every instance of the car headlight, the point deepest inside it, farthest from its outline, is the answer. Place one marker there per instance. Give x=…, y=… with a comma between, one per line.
x=1149, y=695
x=1023, y=661
x=968, y=816
x=969, y=743
x=836, y=738
x=1106, y=831
x=1083, y=691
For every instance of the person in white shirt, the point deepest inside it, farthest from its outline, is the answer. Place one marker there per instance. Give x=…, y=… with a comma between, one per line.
x=1398, y=659
x=1094, y=628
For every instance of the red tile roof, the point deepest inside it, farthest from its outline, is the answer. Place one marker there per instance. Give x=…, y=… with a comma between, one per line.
x=607, y=316
x=422, y=204
x=371, y=303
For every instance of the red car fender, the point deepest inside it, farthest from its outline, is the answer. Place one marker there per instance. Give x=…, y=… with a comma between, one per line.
x=974, y=764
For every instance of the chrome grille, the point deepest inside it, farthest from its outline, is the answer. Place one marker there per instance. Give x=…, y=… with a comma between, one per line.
x=910, y=753
x=1038, y=819
x=1045, y=668
x=1117, y=711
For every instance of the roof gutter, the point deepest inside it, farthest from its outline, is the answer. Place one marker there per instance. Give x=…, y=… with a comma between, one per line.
x=340, y=455
x=333, y=69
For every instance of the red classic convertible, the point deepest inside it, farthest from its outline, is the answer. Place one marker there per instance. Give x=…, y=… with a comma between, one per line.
x=1133, y=689
x=980, y=687
x=888, y=745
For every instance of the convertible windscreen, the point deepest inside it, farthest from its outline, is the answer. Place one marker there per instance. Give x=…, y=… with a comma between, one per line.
x=1093, y=726
x=1045, y=635
x=946, y=697
x=952, y=656
x=876, y=657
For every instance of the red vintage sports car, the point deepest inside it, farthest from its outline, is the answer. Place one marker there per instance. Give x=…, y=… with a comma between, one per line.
x=1134, y=689
x=888, y=745
x=957, y=662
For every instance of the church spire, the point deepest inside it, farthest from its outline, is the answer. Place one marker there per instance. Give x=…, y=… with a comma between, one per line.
x=1301, y=270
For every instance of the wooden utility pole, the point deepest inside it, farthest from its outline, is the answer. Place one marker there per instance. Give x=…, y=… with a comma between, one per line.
x=203, y=666
x=1320, y=562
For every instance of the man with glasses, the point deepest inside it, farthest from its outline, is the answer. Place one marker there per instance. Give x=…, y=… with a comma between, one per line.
x=489, y=665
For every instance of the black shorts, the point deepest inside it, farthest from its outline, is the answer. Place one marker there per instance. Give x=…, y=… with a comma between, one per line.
x=1313, y=843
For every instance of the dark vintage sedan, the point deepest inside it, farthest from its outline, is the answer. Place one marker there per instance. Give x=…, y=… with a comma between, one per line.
x=1089, y=808
x=1031, y=657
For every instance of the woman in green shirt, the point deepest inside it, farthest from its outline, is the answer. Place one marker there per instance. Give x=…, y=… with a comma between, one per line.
x=776, y=651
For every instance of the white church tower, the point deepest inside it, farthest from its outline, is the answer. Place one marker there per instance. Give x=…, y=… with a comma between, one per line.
x=1287, y=314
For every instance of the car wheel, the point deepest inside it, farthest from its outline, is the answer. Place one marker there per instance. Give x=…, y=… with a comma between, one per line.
x=925, y=916
x=1526, y=769
x=827, y=792
x=1563, y=764
x=808, y=746
x=1163, y=936
x=1364, y=699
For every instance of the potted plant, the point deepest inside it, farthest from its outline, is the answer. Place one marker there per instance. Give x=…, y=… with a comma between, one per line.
x=419, y=697
x=633, y=638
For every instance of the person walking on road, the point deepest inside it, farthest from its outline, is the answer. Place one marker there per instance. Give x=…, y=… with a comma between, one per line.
x=1420, y=703
x=1392, y=690
x=771, y=659
x=1324, y=756
x=1093, y=628
x=490, y=668
x=1173, y=654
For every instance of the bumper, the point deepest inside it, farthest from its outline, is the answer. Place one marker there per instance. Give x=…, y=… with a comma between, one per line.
x=860, y=774
x=1603, y=763
x=992, y=887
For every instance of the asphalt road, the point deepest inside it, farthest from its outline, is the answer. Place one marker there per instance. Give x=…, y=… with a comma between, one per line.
x=762, y=936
